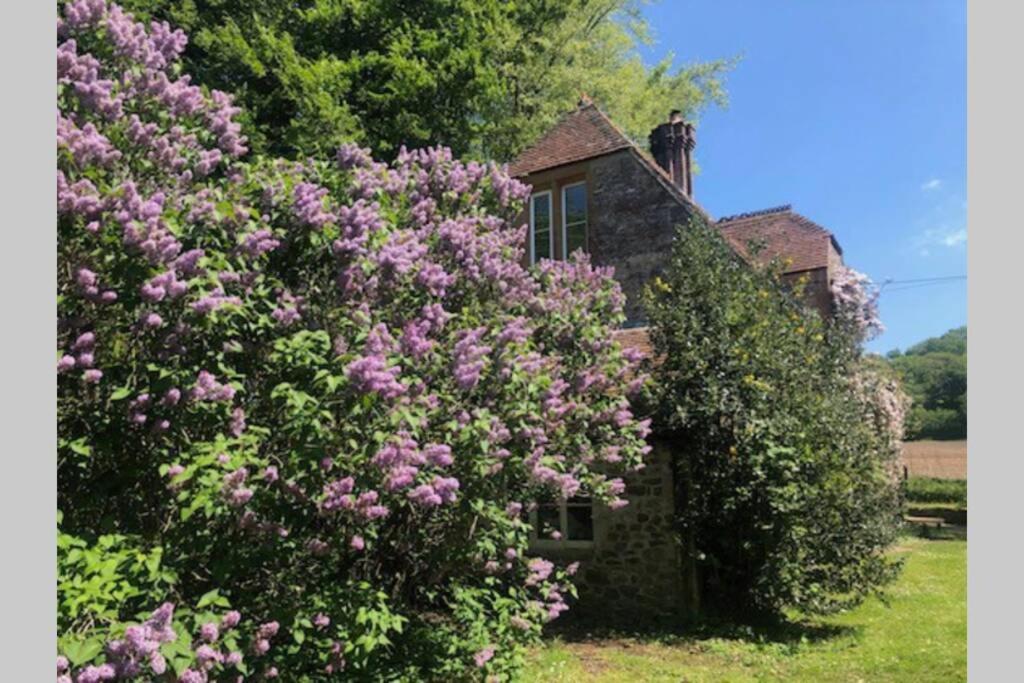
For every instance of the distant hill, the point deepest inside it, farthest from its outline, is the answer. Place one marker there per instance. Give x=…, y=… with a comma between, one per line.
x=934, y=373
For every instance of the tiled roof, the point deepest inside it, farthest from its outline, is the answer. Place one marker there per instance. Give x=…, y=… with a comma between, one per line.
x=799, y=241
x=581, y=134
x=585, y=133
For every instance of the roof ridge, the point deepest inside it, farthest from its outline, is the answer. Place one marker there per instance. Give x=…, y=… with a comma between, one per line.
x=782, y=208
x=607, y=119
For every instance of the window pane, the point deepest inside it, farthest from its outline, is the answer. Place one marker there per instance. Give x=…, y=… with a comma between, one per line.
x=541, y=226
x=542, y=245
x=576, y=204
x=575, y=237
x=575, y=219
x=548, y=519
x=580, y=522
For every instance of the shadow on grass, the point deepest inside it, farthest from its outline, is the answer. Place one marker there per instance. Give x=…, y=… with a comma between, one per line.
x=943, y=533
x=760, y=632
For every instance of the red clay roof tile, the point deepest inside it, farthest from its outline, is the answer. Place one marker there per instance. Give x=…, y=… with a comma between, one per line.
x=581, y=134
x=799, y=241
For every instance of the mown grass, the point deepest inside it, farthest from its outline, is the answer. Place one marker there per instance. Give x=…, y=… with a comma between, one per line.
x=932, y=490
x=920, y=636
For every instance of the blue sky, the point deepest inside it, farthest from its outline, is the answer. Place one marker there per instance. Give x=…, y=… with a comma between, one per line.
x=854, y=112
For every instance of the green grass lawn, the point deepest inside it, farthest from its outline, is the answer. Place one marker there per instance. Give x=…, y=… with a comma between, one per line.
x=920, y=636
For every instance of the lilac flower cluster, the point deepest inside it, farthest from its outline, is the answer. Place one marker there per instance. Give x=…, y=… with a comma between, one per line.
x=470, y=357
x=309, y=206
x=287, y=311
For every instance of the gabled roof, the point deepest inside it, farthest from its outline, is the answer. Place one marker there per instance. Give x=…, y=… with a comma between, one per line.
x=799, y=241
x=586, y=133
x=583, y=133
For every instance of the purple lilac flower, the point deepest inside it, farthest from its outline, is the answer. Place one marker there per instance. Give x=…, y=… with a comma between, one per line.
x=209, y=632
x=237, y=424
x=483, y=656
x=336, y=495
x=469, y=357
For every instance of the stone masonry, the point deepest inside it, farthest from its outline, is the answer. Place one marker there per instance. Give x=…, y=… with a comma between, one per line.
x=633, y=572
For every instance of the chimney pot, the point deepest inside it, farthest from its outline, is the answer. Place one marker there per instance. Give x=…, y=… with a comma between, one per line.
x=671, y=144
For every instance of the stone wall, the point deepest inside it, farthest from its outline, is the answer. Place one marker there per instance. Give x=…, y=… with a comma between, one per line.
x=633, y=571
x=632, y=223
x=817, y=293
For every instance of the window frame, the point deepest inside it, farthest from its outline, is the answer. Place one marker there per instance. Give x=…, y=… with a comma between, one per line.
x=551, y=226
x=565, y=218
x=539, y=543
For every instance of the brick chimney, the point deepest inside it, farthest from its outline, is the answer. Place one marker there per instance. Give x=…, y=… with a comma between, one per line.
x=672, y=145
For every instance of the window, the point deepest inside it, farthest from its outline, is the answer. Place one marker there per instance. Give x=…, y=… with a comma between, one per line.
x=541, y=244
x=574, y=218
x=573, y=519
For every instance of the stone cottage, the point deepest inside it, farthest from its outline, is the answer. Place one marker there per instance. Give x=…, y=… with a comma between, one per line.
x=596, y=190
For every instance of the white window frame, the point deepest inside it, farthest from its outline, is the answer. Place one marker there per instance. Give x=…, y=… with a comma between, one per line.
x=565, y=218
x=541, y=543
x=551, y=226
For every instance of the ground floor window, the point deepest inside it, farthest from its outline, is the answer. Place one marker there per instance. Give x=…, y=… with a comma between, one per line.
x=562, y=523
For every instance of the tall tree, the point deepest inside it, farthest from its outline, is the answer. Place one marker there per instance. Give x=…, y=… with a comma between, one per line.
x=484, y=77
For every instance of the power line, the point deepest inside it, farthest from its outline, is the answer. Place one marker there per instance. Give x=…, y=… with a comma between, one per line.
x=921, y=284
x=925, y=279
x=914, y=283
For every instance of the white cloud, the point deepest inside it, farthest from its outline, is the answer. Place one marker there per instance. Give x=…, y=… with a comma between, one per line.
x=954, y=238
x=932, y=184
x=940, y=237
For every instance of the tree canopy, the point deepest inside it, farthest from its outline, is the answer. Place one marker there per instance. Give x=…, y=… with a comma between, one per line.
x=482, y=77
x=934, y=372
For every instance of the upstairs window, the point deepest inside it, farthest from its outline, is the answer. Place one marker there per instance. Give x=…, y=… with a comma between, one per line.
x=541, y=244
x=574, y=218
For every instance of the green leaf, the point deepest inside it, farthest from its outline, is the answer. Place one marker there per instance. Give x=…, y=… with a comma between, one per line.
x=121, y=394
x=83, y=651
x=81, y=447
x=208, y=598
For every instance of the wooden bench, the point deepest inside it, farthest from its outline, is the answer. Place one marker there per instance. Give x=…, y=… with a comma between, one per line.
x=925, y=521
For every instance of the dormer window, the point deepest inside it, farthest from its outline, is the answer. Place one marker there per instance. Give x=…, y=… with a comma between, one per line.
x=574, y=218
x=541, y=244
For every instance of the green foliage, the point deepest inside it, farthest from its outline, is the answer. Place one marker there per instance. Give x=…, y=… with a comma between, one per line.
x=932, y=490
x=934, y=373
x=96, y=582
x=484, y=77
x=787, y=482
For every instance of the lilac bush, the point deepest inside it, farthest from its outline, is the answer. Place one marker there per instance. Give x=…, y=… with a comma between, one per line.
x=319, y=393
